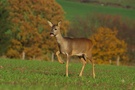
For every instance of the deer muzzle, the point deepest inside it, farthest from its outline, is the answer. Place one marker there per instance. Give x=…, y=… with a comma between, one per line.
x=52, y=34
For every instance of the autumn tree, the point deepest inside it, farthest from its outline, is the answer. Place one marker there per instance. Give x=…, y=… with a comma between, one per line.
x=4, y=27
x=125, y=27
x=107, y=46
x=30, y=30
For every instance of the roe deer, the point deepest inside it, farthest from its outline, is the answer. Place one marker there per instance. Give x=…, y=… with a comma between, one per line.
x=80, y=47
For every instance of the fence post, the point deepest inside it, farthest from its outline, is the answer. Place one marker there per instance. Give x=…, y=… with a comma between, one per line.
x=110, y=61
x=52, y=57
x=23, y=55
x=118, y=61
x=34, y=57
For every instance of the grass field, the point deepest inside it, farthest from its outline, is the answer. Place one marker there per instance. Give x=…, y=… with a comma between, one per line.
x=42, y=75
x=120, y=2
x=73, y=9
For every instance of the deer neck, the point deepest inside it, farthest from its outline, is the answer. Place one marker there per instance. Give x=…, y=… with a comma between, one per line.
x=59, y=38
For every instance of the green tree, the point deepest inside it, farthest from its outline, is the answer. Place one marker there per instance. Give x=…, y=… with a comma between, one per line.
x=4, y=27
x=30, y=30
x=107, y=46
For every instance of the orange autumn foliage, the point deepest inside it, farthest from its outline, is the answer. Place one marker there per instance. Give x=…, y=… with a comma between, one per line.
x=107, y=46
x=30, y=28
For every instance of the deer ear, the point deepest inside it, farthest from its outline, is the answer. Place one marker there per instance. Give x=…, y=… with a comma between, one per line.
x=50, y=23
x=59, y=23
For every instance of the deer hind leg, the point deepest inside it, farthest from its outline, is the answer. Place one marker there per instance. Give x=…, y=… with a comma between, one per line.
x=83, y=60
x=93, y=68
x=59, y=58
x=93, y=65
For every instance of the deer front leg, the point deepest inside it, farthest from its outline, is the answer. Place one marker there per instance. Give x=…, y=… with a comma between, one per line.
x=93, y=70
x=59, y=58
x=68, y=57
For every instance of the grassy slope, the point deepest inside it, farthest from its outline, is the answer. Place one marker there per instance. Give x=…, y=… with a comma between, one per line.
x=122, y=2
x=40, y=75
x=73, y=9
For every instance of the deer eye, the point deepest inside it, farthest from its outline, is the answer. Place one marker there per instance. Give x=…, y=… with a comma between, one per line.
x=55, y=29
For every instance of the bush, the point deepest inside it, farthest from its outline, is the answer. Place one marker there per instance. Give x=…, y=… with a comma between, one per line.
x=107, y=46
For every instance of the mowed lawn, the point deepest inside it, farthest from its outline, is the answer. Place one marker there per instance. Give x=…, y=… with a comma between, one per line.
x=43, y=75
x=73, y=9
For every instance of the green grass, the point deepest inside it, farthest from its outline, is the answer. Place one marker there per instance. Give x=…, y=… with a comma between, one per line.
x=41, y=75
x=122, y=2
x=73, y=9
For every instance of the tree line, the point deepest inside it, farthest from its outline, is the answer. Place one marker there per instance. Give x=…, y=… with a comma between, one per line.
x=24, y=28
x=24, y=31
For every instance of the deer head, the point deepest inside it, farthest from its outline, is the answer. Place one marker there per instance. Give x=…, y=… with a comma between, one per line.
x=55, y=28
